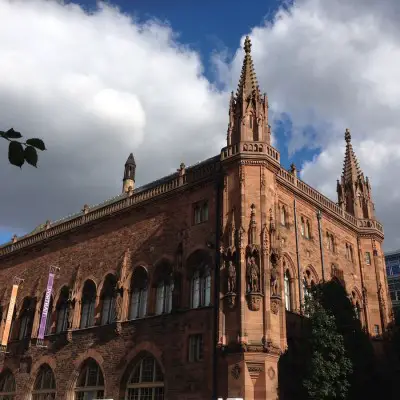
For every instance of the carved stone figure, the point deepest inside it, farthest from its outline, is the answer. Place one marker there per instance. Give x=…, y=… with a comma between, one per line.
x=231, y=277
x=118, y=303
x=274, y=280
x=253, y=276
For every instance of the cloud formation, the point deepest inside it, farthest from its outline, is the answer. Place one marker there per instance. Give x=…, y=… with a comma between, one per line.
x=330, y=66
x=99, y=86
x=95, y=88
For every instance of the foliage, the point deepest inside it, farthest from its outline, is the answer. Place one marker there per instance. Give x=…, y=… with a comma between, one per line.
x=19, y=152
x=329, y=368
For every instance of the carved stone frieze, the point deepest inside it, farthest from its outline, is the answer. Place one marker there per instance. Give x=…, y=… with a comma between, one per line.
x=275, y=304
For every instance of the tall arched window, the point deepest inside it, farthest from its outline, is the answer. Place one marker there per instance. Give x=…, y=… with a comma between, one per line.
x=200, y=295
x=62, y=311
x=146, y=381
x=7, y=385
x=288, y=292
x=200, y=282
x=26, y=318
x=283, y=216
x=308, y=230
x=45, y=384
x=108, y=295
x=138, y=301
x=90, y=383
x=49, y=315
x=164, y=285
x=302, y=226
x=88, y=304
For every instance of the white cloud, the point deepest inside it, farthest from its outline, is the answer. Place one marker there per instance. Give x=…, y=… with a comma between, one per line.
x=333, y=65
x=96, y=87
x=99, y=86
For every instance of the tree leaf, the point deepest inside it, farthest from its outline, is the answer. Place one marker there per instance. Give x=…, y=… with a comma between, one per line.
x=30, y=155
x=37, y=143
x=16, y=154
x=11, y=134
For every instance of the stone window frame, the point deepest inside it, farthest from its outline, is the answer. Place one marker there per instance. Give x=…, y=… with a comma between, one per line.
x=356, y=301
x=98, y=387
x=43, y=390
x=349, y=252
x=305, y=227
x=284, y=215
x=139, y=293
x=156, y=385
x=195, y=347
x=108, y=294
x=7, y=385
x=25, y=319
x=200, y=212
x=367, y=258
x=331, y=241
x=290, y=272
x=90, y=302
x=61, y=310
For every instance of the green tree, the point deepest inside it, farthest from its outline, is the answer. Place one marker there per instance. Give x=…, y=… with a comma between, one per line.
x=19, y=152
x=329, y=368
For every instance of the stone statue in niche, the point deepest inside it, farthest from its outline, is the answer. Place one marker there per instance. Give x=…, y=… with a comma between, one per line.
x=253, y=276
x=274, y=280
x=231, y=277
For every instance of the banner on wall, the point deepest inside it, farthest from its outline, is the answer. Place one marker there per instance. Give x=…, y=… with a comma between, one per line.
x=46, y=304
x=10, y=313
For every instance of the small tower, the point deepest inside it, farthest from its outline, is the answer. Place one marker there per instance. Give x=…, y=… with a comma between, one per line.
x=129, y=174
x=248, y=109
x=354, y=191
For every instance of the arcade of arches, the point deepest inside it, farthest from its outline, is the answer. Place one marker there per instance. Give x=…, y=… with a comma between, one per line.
x=145, y=381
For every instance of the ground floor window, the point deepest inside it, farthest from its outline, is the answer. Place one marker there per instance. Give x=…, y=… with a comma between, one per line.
x=90, y=384
x=146, y=381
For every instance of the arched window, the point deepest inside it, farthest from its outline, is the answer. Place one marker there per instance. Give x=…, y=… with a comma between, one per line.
x=146, y=381
x=302, y=226
x=200, y=294
x=354, y=298
x=308, y=230
x=62, y=311
x=49, y=315
x=90, y=383
x=199, y=264
x=25, y=318
x=139, y=285
x=283, y=216
x=108, y=295
x=45, y=384
x=88, y=304
x=7, y=385
x=164, y=285
x=287, y=288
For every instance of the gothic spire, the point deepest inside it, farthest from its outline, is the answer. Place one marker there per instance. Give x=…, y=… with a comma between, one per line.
x=248, y=83
x=248, y=109
x=354, y=191
x=351, y=168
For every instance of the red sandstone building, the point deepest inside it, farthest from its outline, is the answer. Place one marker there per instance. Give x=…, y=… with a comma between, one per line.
x=182, y=289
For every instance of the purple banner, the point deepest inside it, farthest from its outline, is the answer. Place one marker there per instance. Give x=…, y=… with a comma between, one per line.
x=43, y=320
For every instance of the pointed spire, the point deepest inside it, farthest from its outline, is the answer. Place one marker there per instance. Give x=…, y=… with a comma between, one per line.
x=129, y=174
x=351, y=168
x=248, y=83
x=130, y=160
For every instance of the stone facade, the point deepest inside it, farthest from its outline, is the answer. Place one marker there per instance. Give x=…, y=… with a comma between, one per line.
x=182, y=289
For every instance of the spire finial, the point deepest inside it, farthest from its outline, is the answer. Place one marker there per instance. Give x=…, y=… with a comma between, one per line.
x=347, y=136
x=247, y=45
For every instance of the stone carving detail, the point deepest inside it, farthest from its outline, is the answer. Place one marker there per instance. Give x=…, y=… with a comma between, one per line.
x=231, y=277
x=253, y=276
x=275, y=303
x=236, y=370
x=271, y=373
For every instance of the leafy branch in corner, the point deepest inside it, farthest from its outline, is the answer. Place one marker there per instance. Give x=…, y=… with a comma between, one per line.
x=19, y=152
